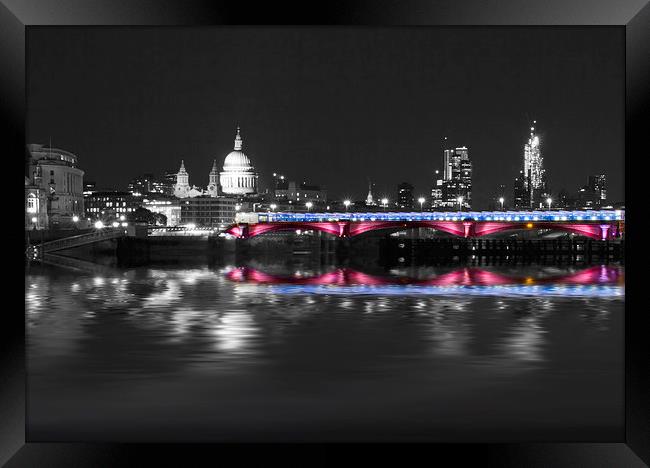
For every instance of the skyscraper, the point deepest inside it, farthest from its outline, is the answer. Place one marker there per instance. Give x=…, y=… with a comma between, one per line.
x=534, y=173
x=436, y=192
x=456, y=182
x=521, y=196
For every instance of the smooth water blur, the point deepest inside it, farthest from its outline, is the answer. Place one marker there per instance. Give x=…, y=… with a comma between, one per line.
x=310, y=352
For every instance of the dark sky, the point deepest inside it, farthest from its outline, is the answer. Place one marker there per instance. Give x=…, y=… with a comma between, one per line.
x=332, y=105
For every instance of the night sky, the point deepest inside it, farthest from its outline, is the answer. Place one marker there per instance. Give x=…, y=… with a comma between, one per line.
x=332, y=106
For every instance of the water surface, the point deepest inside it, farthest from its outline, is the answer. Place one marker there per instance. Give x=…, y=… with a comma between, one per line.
x=281, y=352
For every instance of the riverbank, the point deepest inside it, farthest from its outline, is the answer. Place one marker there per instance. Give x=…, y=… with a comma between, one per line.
x=388, y=250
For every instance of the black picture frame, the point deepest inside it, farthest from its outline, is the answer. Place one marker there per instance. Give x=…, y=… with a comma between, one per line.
x=632, y=15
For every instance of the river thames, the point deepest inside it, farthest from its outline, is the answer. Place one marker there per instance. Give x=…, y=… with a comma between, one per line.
x=301, y=352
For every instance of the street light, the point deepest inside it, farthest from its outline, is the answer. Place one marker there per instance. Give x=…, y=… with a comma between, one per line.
x=549, y=201
x=237, y=207
x=273, y=206
x=99, y=225
x=384, y=202
x=501, y=200
x=309, y=205
x=346, y=203
x=122, y=218
x=460, y=203
x=75, y=219
x=421, y=200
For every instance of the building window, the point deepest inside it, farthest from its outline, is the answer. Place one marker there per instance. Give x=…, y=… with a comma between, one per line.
x=31, y=204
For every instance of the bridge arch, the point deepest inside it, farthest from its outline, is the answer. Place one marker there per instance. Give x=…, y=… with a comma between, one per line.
x=591, y=230
x=254, y=230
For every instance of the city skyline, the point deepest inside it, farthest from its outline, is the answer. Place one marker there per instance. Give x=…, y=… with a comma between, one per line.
x=311, y=119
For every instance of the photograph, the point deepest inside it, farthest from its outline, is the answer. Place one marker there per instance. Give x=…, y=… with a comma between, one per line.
x=298, y=232
x=329, y=234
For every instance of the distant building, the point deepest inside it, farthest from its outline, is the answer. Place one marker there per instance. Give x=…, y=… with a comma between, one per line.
x=436, y=192
x=405, y=196
x=167, y=182
x=53, y=188
x=598, y=185
x=370, y=200
x=206, y=211
x=500, y=194
x=565, y=201
x=456, y=181
x=534, y=174
x=36, y=216
x=286, y=190
x=168, y=206
x=520, y=196
x=141, y=185
x=238, y=176
x=110, y=205
x=89, y=187
x=182, y=187
x=213, y=181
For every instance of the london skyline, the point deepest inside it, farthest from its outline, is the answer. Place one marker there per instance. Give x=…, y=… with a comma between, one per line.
x=328, y=110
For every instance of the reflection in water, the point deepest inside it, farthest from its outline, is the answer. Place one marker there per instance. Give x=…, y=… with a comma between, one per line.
x=598, y=281
x=321, y=346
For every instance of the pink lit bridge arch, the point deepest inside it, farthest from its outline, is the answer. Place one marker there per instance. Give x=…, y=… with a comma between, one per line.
x=600, y=225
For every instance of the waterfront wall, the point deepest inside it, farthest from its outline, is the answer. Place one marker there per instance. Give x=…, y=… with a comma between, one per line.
x=387, y=249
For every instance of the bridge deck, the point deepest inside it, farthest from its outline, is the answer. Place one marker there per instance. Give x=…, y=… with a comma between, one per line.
x=601, y=224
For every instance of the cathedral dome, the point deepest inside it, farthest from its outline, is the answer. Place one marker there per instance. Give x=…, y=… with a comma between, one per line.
x=238, y=176
x=237, y=160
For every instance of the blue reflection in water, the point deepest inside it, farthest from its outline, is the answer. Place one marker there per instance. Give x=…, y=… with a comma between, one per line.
x=409, y=290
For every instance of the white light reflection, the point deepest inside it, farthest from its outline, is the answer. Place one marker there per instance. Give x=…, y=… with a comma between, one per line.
x=234, y=332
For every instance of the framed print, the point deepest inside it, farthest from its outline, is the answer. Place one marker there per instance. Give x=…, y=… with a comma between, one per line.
x=348, y=223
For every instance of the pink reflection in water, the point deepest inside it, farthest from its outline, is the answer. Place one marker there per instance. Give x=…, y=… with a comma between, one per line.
x=468, y=276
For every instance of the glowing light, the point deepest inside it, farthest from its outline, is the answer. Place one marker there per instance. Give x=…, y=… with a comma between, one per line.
x=99, y=225
x=34, y=219
x=116, y=224
x=529, y=225
x=75, y=219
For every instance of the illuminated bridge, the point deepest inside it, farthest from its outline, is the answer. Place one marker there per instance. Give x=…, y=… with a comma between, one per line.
x=600, y=225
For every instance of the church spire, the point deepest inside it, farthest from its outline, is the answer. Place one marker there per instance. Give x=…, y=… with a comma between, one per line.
x=238, y=140
x=214, y=167
x=182, y=169
x=369, y=198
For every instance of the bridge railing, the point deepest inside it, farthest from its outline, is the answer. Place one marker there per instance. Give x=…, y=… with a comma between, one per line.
x=182, y=231
x=507, y=216
x=82, y=239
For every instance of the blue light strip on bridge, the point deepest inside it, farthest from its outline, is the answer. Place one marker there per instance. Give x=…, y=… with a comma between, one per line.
x=507, y=216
